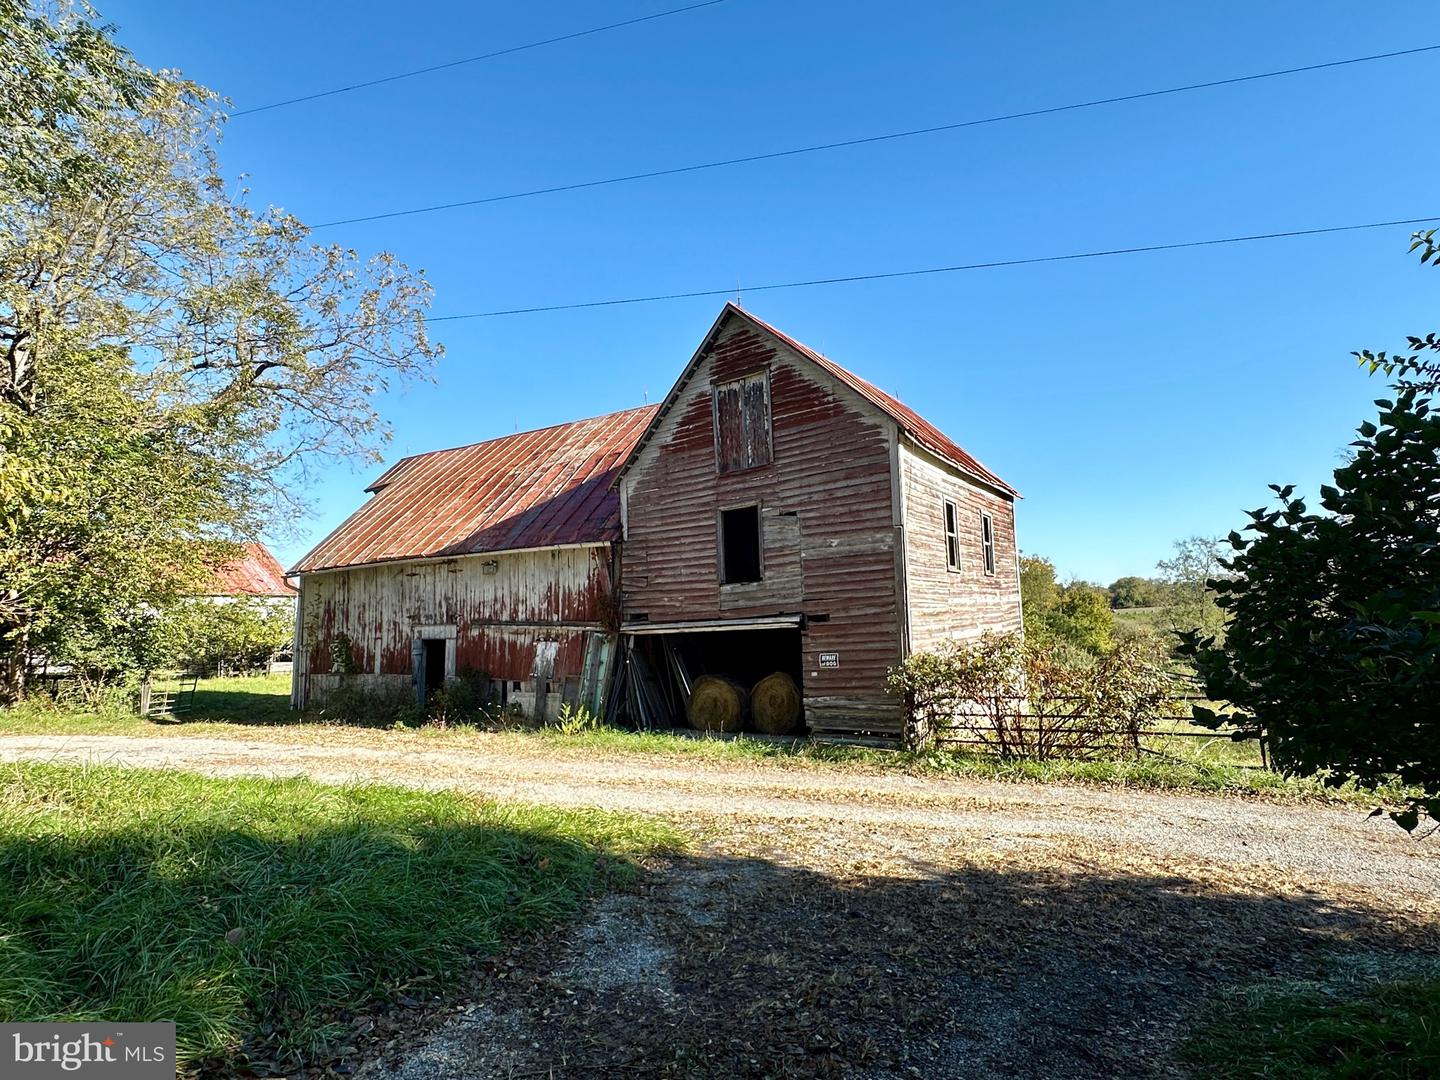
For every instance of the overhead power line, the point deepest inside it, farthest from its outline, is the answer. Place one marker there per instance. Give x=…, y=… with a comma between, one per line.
x=871, y=139
x=991, y=265
x=472, y=59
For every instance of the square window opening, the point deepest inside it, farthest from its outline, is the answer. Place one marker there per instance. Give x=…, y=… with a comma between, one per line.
x=952, y=536
x=740, y=545
x=987, y=542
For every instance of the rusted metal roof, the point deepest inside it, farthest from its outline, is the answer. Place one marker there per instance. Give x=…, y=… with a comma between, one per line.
x=911, y=422
x=257, y=573
x=536, y=489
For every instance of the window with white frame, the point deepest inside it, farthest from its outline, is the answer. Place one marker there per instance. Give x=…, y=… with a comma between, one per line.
x=987, y=542
x=952, y=536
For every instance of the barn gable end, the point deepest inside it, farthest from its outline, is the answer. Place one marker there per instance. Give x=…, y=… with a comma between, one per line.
x=827, y=519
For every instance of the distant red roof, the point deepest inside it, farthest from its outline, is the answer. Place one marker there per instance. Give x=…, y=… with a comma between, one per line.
x=256, y=574
x=913, y=424
x=536, y=489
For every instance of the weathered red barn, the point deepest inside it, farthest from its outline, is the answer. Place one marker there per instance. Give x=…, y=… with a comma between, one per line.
x=774, y=513
x=801, y=519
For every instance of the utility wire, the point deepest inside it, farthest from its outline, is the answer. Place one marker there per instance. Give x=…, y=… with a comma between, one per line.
x=472, y=59
x=869, y=139
x=995, y=264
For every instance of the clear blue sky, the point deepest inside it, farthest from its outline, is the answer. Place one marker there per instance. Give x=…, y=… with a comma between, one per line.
x=1132, y=400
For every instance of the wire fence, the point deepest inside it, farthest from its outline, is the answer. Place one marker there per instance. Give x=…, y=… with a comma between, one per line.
x=167, y=698
x=1061, y=728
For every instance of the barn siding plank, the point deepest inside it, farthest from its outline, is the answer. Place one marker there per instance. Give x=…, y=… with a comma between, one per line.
x=558, y=595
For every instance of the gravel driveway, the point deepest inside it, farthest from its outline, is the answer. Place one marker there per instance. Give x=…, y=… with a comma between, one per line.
x=863, y=923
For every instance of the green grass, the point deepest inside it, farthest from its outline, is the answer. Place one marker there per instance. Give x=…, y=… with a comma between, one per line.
x=252, y=699
x=256, y=913
x=1155, y=620
x=1387, y=1029
x=235, y=707
x=249, y=700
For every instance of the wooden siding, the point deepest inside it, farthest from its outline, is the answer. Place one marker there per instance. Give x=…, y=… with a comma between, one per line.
x=498, y=619
x=827, y=520
x=945, y=603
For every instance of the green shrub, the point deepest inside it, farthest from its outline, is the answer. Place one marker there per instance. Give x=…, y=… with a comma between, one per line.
x=204, y=636
x=1031, y=699
x=1332, y=649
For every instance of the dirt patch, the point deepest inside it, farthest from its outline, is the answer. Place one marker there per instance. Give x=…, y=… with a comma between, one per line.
x=621, y=948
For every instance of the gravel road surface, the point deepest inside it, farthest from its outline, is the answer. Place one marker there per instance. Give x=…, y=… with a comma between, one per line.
x=856, y=922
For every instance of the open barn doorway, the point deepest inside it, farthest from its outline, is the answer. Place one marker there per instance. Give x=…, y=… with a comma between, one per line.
x=677, y=678
x=428, y=657
x=434, y=665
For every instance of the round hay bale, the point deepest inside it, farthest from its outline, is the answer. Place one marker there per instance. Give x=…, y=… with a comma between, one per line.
x=775, y=704
x=718, y=704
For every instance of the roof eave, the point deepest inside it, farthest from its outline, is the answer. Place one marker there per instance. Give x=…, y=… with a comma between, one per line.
x=668, y=401
x=996, y=484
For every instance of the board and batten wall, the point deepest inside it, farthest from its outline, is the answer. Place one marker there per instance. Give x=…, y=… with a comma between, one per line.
x=965, y=602
x=497, y=611
x=830, y=547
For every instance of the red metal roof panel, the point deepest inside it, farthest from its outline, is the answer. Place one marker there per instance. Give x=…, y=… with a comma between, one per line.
x=256, y=573
x=534, y=489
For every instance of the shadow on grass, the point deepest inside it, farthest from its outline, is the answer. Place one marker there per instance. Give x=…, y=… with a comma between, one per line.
x=258, y=914
x=240, y=707
x=750, y=968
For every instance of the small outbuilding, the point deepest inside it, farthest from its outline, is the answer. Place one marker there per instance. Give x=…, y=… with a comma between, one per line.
x=255, y=575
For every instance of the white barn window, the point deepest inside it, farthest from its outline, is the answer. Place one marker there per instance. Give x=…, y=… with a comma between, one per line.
x=952, y=536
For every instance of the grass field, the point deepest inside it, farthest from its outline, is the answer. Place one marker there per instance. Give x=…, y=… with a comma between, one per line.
x=1371, y=1027
x=1150, y=620
x=235, y=707
x=257, y=913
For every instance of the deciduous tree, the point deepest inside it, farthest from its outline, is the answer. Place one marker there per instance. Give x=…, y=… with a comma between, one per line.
x=171, y=359
x=1133, y=592
x=1188, y=576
